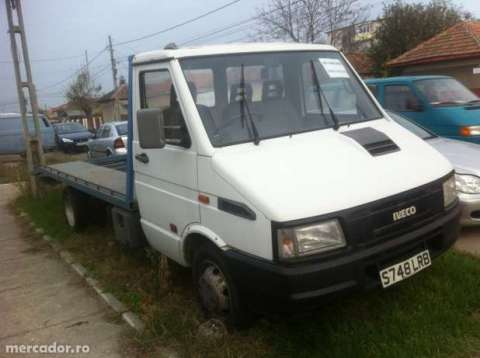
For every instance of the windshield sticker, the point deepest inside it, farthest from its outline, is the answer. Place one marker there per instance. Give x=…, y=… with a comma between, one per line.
x=334, y=68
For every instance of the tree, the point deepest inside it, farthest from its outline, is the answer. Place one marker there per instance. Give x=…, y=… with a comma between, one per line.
x=306, y=20
x=83, y=93
x=404, y=26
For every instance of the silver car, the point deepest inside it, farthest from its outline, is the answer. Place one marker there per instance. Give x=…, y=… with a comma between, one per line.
x=465, y=158
x=110, y=139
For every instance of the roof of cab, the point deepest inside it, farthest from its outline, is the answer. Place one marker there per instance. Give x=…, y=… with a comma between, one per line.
x=403, y=79
x=165, y=54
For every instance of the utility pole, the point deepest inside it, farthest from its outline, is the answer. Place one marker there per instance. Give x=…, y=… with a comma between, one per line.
x=33, y=143
x=86, y=66
x=114, y=63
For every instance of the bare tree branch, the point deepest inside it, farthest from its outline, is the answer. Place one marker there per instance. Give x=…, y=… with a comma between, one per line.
x=306, y=20
x=83, y=94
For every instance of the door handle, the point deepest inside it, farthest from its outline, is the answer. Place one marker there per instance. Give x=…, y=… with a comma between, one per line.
x=142, y=157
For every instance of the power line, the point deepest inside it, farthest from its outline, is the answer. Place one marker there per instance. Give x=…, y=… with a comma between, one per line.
x=74, y=73
x=231, y=26
x=214, y=32
x=179, y=25
x=48, y=59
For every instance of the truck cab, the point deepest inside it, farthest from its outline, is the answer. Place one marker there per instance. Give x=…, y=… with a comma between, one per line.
x=274, y=173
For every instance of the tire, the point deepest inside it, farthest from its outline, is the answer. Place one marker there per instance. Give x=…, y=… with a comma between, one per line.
x=216, y=290
x=75, y=208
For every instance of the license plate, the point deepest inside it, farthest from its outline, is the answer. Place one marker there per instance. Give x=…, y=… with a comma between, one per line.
x=405, y=269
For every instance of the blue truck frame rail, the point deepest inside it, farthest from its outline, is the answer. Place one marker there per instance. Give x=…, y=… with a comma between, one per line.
x=124, y=198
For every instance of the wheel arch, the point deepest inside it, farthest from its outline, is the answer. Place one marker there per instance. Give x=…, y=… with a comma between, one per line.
x=196, y=234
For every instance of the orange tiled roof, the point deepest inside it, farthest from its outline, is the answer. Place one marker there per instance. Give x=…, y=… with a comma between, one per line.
x=361, y=62
x=459, y=41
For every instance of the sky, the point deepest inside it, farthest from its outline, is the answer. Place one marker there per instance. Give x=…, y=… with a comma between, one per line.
x=60, y=31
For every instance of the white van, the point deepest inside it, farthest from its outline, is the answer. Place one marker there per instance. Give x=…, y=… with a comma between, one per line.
x=274, y=173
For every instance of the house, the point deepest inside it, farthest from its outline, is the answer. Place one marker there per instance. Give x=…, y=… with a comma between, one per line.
x=454, y=52
x=68, y=112
x=113, y=106
x=354, y=38
x=362, y=63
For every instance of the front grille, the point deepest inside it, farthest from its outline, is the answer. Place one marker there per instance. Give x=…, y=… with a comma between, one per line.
x=374, y=222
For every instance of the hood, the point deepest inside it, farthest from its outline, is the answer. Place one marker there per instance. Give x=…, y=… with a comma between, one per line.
x=76, y=135
x=321, y=172
x=465, y=157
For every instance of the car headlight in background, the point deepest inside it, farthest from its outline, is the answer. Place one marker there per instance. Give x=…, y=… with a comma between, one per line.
x=66, y=140
x=468, y=184
x=470, y=131
x=449, y=191
x=310, y=239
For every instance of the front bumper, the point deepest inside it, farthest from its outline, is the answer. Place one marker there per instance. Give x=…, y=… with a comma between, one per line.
x=274, y=287
x=470, y=209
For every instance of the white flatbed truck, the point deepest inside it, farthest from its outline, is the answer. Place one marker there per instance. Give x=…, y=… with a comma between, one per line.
x=272, y=171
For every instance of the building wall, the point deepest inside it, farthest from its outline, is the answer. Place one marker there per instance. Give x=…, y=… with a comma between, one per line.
x=114, y=110
x=462, y=70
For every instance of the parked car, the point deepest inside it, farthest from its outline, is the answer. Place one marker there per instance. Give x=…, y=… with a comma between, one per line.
x=110, y=139
x=465, y=158
x=440, y=103
x=11, y=133
x=72, y=136
x=278, y=203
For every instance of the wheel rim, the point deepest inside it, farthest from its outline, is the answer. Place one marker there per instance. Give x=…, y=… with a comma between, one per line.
x=213, y=289
x=69, y=213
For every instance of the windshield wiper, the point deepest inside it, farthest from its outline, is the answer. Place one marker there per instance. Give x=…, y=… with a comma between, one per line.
x=474, y=101
x=244, y=105
x=336, y=124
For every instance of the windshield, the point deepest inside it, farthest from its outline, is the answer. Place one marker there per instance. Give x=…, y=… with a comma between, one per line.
x=70, y=128
x=122, y=129
x=445, y=91
x=278, y=92
x=407, y=124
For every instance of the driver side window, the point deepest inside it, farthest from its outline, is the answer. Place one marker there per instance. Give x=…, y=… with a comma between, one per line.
x=158, y=91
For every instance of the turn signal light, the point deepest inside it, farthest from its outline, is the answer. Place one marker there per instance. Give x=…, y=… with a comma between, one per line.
x=470, y=131
x=203, y=199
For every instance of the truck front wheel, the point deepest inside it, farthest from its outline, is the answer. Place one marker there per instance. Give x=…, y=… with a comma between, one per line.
x=75, y=203
x=215, y=288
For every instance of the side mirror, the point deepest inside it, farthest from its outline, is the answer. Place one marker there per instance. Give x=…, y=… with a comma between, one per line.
x=151, y=128
x=414, y=105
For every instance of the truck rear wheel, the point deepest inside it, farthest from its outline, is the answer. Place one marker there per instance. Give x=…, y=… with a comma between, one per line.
x=216, y=289
x=75, y=208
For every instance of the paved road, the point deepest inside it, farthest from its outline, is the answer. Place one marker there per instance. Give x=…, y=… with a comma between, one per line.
x=43, y=301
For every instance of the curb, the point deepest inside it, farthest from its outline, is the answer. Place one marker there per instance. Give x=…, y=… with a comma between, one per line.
x=129, y=317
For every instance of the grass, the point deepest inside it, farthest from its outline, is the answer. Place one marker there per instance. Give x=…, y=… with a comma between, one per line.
x=436, y=313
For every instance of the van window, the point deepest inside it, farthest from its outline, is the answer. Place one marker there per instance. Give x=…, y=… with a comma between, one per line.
x=157, y=91
x=15, y=123
x=106, y=132
x=373, y=89
x=399, y=98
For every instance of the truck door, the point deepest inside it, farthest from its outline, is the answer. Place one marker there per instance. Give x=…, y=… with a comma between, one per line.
x=165, y=178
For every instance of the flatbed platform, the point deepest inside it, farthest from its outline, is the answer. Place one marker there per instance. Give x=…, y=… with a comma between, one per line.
x=105, y=180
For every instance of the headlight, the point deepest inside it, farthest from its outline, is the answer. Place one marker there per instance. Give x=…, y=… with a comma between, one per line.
x=310, y=239
x=66, y=140
x=449, y=191
x=470, y=131
x=468, y=184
